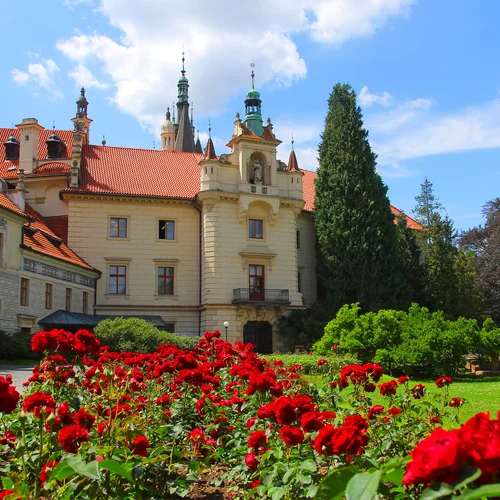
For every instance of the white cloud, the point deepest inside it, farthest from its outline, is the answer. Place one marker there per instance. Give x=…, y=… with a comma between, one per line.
x=339, y=20
x=83, y=76
x=220, y=42
x=417, y=131
x=40, y=76
x=366, y=98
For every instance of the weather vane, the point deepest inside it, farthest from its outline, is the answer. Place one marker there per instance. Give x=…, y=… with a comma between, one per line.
x=252, y=65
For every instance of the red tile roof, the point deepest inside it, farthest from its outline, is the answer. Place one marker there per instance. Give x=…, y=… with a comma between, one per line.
x=140, y=172
x=8, y=169
x=156, y=173
x=59, y=225
x=293, y=164
x=309, y=193
x=51, y=168
x=40, y=238
x=11, y=207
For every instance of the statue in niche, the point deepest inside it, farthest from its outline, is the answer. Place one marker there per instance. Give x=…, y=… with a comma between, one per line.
x=257, y=172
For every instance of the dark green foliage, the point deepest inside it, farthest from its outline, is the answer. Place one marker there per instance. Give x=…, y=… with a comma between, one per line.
x=304, y=327
x=137, y=335
x=412, y=267
x=442, y=287
x=356, y=234
x=484, y=241
x=427, y=204
x=16, y=345
x=418, y=343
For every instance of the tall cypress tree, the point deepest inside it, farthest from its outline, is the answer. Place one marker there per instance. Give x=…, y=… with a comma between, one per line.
x=356, y=234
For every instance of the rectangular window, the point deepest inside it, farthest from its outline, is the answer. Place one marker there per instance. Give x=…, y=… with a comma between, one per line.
x=298, y=239
x=117, y=227
x=117, y=279
x=25, y=291
x=165, y=281
x=298, y=283
x=170, y=327
x=166, y=230
x=256, y=282
x=85, y=305
x=255, y=228
x=68, y=299
x=48, y=295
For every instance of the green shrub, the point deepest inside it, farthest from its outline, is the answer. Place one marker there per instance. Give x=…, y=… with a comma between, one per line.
x=16, y=345
x=418, y=343
x=137, y=335
x=310, y=361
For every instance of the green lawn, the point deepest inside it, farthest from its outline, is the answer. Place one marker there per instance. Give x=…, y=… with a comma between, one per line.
x=481, y=393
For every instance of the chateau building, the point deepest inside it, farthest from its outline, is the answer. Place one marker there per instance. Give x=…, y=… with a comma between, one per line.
x=188, y=235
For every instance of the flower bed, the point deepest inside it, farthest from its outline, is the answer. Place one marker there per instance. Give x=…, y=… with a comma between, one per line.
x=220, y=420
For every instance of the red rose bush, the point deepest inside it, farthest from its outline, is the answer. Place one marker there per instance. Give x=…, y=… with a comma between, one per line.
x=93, y=423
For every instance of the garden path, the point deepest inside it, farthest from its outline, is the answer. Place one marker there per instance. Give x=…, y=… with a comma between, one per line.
x=20, y=373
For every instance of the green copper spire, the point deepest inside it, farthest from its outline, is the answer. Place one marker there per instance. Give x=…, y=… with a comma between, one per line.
x=253, y=115
x=182, y=85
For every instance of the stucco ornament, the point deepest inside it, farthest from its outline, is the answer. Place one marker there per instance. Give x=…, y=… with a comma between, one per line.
x=257, y=171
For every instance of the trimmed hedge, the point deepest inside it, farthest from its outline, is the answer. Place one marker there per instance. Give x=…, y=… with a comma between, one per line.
x=137, y=335
x=310, y=361
x=417, y=343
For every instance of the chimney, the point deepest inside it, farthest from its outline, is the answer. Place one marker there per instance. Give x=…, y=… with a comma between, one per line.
x=17, y=196
x=29, y=131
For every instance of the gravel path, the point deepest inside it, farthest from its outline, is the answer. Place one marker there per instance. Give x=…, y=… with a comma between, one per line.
x=20, y=373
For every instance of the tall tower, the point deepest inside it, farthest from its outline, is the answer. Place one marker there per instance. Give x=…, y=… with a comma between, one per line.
x=184, y=140
x=167, y=133
x=253, y=114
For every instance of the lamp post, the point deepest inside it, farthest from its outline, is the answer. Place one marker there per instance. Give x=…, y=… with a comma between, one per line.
x=226, y=326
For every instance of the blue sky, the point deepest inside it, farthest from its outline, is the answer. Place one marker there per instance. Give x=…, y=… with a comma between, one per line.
x=426, y=73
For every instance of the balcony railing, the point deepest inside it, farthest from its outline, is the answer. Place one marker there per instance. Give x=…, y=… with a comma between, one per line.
x=266, y=297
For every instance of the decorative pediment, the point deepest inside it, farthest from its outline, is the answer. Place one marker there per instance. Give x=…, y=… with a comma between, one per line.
x=271, y=204
x=252, y=254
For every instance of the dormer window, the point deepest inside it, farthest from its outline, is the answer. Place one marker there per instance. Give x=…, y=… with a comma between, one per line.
x=11, y=149
x=55, y=146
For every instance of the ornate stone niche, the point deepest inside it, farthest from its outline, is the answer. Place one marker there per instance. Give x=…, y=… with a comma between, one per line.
x=258, y=169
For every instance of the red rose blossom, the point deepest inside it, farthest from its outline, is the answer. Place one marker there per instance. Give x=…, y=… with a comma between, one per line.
x=403, y=379
x=9, y=397
x=456, y=402
x=140, y=446
x=418, y=391
x=291, y=436
x=251, y=461
x=71, y=437
x=388, y=388
x=47, y=470
x=443, y=381
x=257, y=439
x=38, y=402
x=375, y=410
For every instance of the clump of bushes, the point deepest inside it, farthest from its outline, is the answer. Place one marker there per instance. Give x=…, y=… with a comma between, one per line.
x=137, y=335
x=310, y=361
x=16, y=345
x=417, y=343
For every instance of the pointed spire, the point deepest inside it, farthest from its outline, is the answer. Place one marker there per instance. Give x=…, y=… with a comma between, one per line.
x=197, y=147
x=173, y=112
x=252, y=65
x=183, y=71
x=103, y=142
x=167, y=116
x=192, y=111
x=293, y=164
x=209, y=148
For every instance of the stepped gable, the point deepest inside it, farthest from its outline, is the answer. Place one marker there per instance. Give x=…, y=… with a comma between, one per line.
x=139, y=172
x=8, y=169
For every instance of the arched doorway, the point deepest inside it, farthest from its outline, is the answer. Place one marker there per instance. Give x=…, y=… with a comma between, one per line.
x=259, y=333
